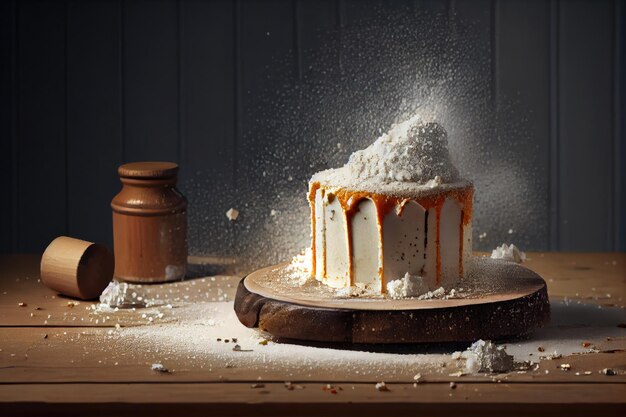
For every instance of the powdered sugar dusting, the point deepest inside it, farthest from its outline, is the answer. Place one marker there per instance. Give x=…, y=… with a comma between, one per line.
x=483, y=277
x=201, y=344
x=301, y=266
x=413, y=155
x=197, y=340
x=412, y=151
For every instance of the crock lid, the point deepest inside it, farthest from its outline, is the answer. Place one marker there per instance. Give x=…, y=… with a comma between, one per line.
x=149, y=169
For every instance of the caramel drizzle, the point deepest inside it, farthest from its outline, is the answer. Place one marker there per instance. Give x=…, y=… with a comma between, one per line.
x=312, y=193
x=349, y=200
x=461, y=241
x=438, y=243
x=466, y=215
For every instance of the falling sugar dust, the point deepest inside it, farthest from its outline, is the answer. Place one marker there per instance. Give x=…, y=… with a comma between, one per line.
x=342, y=90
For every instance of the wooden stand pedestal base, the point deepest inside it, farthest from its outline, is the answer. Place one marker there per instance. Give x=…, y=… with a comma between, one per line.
x=514, y=307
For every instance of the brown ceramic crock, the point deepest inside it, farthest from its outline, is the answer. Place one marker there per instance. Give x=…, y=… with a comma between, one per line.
x=149, y=224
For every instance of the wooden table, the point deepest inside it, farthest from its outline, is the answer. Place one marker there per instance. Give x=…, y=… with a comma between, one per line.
x=63, y=358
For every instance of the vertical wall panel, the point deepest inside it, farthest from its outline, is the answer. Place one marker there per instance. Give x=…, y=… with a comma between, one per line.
x=374, y=11
x=433, y=7
x=554, y=126
x=523, y=81
x=268, y=66
x=267, y=70
x=41, y=153
x=87, y=85
x=208, y=119
x=150, y=63
x=476, y=16
x=472, y=28
x=318, y=24
x=93, y=107
x=208, y=77
x=619, y=91
x=359, y=11
x=7, y=124
x=586, y=125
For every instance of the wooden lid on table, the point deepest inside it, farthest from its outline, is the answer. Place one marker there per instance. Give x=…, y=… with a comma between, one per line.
x=151, y=169
x=77, y=268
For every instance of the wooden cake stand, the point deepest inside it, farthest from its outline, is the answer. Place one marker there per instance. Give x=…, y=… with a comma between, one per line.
x=505, y=300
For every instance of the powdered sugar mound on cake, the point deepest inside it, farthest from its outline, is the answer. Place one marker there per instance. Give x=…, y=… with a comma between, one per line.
x=414, y=152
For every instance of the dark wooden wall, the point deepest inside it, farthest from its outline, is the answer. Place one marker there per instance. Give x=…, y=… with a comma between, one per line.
x=87, y=85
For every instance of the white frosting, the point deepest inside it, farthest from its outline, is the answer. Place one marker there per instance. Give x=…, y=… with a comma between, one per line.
x=337, y=251
x=413, y=155
x=365, y=251
x=449, y=238
x=403, y=242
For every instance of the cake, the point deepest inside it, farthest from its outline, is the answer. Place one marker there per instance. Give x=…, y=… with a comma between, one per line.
x=396, y=218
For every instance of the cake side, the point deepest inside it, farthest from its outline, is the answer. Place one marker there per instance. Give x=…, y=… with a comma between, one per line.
x=369, y=239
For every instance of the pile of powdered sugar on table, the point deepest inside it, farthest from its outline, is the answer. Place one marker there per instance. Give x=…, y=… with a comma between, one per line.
x=207, y=337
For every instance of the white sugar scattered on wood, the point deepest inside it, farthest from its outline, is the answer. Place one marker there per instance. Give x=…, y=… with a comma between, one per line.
x=190, y=337
x=117, y=294
x=485, y=356
x=122, y=295
x=158, y=367
x=381, y=386
x=191, y=340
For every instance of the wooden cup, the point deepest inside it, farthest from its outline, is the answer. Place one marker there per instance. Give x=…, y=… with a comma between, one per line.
x=77, y=268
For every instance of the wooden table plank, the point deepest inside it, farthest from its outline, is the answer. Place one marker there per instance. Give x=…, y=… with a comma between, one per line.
x=78, y=356
x=92, y=355
x=315, y=399
x=19, y=283
x=568, y=275
x=583, y=276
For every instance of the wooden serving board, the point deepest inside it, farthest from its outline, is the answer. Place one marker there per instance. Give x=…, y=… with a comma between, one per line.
x=514, y=308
